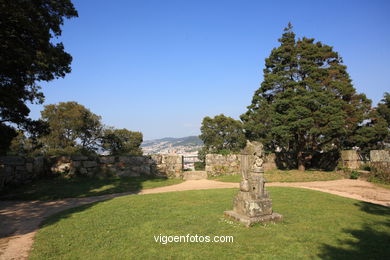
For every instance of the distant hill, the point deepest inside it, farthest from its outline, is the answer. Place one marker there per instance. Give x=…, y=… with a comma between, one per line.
x=186, y=144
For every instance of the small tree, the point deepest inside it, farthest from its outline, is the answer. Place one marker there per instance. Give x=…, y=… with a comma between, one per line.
x=122, y=141
x=221, y=134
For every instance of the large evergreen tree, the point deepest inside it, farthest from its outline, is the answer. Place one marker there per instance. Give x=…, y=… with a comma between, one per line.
x=383, y=110
x=306, y=103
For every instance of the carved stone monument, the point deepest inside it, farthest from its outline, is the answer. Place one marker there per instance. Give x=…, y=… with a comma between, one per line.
x=252, y=203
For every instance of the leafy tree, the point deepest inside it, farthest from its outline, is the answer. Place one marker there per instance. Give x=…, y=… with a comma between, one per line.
x=28, y=56
x=28, y=143
x=221, y=134
x=122, y=141
x=306, y=103
x=72, y=127
x=7, y=134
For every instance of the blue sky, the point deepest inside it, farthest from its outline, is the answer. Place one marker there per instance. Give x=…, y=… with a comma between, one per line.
x=159, y=67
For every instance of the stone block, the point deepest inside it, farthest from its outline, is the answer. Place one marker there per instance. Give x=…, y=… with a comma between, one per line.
x=106, y=159
x=90, y=164
x=125, y=159
x=61, y=167
x=12, y=160
x=76, y=164
x=79, y=158
x=249, y=221
x=350, y=155
x=29, y=167
x=83, y=171
x=380, y=156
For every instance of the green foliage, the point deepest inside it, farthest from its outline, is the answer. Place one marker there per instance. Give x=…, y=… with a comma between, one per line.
x=380, y=172
x=383, y=110
x=28, y=55
x=122, y=141
x=306, y=102
x=365, y=167
x=369, y=135
x=7, y=134
x=224, y=152
x=354, y=175
x=219, y=170
x=73, y=128
x=28, y=143
x=221, y=134
x=199, y=166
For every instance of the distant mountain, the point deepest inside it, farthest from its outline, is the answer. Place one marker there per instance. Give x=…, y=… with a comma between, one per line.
x=181, y=145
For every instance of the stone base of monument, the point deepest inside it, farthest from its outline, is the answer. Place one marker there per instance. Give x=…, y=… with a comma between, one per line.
x=249, y=221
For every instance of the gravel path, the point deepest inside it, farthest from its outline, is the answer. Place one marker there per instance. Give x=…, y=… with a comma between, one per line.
x=20, y=220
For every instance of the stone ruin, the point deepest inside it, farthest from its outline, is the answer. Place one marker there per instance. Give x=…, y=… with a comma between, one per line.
x=252, y=204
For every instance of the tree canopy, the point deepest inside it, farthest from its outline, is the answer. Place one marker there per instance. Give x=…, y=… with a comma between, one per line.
x=222, y=134
x=383, y=110
x=306, y=102
x=72, y=128
x=122, y=141
x=29, y=56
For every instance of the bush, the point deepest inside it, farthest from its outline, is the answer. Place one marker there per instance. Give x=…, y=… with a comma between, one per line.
x=199, y=166
x=365, y=167
x=354, y=175
x=381, y=171
x=225, y=152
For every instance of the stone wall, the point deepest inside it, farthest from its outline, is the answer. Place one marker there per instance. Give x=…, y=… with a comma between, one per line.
x=380, y=164
x=269, y=162
x=15, y=170
x=218, y=164
x=351, y=159
x=170, y=165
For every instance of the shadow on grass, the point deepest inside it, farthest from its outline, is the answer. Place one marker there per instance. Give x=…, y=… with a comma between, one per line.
x=59, y=187
x=371, y=241
x=22, y=217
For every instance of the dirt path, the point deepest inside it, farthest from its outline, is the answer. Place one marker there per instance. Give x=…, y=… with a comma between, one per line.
x=19, y=220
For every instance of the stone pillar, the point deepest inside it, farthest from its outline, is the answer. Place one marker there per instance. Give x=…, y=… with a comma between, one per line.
x=252, y=204
x=350, y=159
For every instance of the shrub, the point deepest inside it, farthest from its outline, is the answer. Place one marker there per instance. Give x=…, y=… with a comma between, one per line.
x=365, y=167
x=354, y=175
x=199, y=166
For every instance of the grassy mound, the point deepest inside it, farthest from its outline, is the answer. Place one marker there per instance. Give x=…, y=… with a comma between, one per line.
x=316, y=225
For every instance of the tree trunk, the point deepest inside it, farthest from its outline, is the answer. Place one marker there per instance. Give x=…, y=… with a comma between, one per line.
x=301, y=161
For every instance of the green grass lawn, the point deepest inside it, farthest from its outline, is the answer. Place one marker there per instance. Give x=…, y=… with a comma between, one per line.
x=316, y=226
x=59, y=188
x=288, y=176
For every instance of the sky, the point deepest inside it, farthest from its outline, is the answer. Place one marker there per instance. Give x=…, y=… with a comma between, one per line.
x=160, y=67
